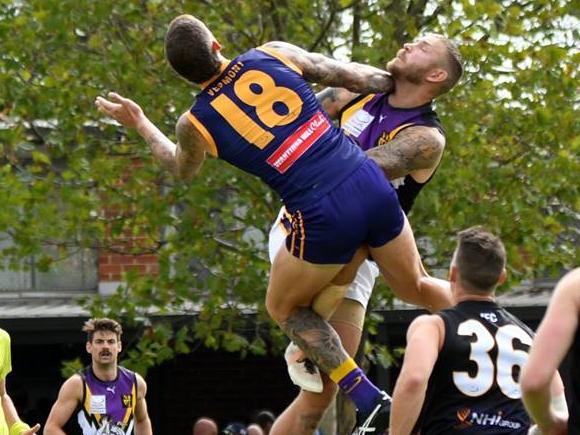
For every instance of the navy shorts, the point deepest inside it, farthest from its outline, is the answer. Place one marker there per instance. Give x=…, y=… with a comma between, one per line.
x=362, y=210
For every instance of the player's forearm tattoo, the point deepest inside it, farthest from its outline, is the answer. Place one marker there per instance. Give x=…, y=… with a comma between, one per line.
x=321, y=69
x=353, y=76
x=327, y=96
x=413, y=148
x=316, y=338
x=162, y=149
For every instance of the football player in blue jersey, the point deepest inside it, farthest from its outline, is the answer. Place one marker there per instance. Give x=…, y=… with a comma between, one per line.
x=258, y=113
x=402, y=133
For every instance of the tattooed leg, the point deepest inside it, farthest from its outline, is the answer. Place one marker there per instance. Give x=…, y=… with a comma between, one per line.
x=316, y=338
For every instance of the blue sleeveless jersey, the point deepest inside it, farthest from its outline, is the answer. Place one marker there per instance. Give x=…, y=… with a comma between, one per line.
x=261, y=116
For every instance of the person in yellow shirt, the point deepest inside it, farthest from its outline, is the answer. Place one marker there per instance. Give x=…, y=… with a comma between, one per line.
x=10, y=423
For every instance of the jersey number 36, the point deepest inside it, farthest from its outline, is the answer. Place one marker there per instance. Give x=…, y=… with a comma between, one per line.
x=502, y=369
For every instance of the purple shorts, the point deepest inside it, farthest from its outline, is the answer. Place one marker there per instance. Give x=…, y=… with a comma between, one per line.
x=362, y=210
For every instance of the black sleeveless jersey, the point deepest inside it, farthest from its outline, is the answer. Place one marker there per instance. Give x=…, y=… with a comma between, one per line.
x=574, y=387
x=474, y=387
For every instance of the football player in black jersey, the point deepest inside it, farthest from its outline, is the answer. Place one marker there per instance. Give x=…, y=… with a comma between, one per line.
x=461, y=368
x=558, y=333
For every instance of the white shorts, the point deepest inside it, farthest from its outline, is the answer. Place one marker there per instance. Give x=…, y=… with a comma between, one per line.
x=361, y=288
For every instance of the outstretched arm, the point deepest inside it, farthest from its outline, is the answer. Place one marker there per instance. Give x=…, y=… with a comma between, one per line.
x=414, y=148
x=324, y=70
x=183, y=159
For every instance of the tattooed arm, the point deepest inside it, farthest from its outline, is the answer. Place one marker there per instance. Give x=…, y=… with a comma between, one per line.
x=412, y=149
x=333, y=100
x=183, y=159
x=318, y=68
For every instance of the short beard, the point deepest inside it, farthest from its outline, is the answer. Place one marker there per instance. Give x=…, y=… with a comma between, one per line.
x=414, y=77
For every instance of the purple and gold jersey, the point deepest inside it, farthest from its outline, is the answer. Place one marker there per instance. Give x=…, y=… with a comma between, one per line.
x=107, y=407
x=260, y=115
x=371, y=121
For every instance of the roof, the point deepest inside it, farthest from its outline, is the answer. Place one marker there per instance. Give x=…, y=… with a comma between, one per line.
x=41, y=305
x=45, y=305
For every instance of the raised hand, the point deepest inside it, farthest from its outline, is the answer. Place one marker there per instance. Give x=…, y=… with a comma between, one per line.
x=122, y=109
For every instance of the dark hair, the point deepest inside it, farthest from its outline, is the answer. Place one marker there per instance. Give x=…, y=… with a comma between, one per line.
x=188, y=49
x=264, y=417
x=453, y=64
x=480, y=259
x=93, y=325
x=235, y=429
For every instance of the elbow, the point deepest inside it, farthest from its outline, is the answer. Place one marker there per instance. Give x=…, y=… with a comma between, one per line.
x=534, y=383
x=414, y=383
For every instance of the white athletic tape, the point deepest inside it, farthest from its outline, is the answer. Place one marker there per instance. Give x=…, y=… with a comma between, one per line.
x=559, y=404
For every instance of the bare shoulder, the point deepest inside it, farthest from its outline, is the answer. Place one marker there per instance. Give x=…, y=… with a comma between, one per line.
x=184, y=126
x=568, y=288
x=190, y=135
x=141, y=385
x=72, y=388
x=283, y=47
x=426, y=323
x=303, y=59
x=422, y=134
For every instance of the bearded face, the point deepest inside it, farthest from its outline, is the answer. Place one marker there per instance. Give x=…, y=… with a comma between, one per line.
x=415, y=60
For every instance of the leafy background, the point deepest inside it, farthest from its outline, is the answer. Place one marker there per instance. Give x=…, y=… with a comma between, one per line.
x=70, y=179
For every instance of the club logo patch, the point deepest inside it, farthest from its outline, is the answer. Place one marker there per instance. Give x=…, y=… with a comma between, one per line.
x=127, y=400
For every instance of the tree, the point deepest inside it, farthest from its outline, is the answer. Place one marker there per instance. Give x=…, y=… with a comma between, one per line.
x=71, y=179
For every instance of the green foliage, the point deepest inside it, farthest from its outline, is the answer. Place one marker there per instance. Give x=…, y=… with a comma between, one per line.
x=71, y=367
x=70, y=179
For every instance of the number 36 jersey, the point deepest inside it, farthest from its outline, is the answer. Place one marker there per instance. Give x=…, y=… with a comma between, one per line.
x=474, y=387
x=260, y=115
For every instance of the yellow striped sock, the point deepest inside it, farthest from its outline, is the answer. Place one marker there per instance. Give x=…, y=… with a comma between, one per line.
x=342, y=370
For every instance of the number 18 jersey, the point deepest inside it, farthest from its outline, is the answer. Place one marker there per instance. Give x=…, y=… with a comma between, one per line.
x=260, y=115
x=474, y=387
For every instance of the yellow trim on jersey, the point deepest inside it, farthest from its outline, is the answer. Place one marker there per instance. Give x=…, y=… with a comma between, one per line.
x=302, y=234
x=210, y=142
x=281, y=58
x=394, y=132
x=292, y=242
x=355, y=107
x=288, y=216
x=342, y=370
x=87, y=405
x=131, y=409
x=223, y=67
